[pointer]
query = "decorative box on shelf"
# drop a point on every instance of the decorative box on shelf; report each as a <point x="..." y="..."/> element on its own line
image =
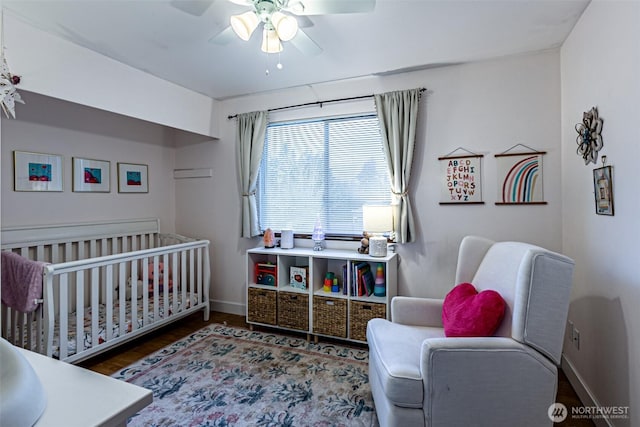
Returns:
<point x="266" y="274"/>
<point x="299" y="277"/>
<point x="293" y="310"/>
<point x="262" y="306"/>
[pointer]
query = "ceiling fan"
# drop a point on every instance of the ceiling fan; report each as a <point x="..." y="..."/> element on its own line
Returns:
<point x="281" y="20"/>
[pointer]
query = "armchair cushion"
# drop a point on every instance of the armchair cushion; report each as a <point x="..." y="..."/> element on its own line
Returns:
<point x="467" y="313"/>
<point x="395" y="350"/>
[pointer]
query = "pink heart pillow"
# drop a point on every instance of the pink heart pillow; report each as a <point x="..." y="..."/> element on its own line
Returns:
<point x="467" y="313"/>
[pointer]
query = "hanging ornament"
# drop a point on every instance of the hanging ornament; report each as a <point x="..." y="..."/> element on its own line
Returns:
<point x="589" y="139"/>
<point x="8" y="93"/>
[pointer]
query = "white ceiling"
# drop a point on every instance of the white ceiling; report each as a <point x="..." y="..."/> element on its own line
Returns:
<point x="154" y="36"/>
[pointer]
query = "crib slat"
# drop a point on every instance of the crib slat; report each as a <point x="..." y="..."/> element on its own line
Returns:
<point x="199" y="270"/>
<point x="183" y="280"/>
<point x="134" y="294"/>
<point x="95" y="306"/>
<point x="63" y="334"/>
<point x="55" y="253"/>
<point x="156" y="291"/>
<point x="109" y="301"/>
<point x="79" y="332"/>
<point x="176" y="283"/>
<point x="92" y="248"/>
<point x="192" y="280"/>
<point x="40" y="344"/>
<point x="145" y="290"/>
<point x="29" y="319"/>
<point x="40" y="253"/>
<point x="166" y="288"/>
<point x="122" y="290"/>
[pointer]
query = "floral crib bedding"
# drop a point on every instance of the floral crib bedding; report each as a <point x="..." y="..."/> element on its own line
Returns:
<point x="87" y="340"/>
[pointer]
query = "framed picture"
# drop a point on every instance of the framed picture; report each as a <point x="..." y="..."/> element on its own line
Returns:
<point x="461" y="180"/>
<point x="133" y="178"/>
<point x="603" y="190"/>
<point x="37" y="171"/>
<point x="520" y="178"/>
<point x="91" y="176"/>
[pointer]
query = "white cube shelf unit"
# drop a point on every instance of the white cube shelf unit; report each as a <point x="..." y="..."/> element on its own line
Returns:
<point x="313" y="310"/>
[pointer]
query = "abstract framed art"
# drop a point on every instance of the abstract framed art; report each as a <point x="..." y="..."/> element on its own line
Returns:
<point x="37" y="171"/>
<point x="520" y="177"/>
<point x="91" y="176"/>
<point x="133" y="178"/>
<point x="603" y="190"/>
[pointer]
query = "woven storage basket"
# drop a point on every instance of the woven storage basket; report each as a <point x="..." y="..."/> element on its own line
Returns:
<point x="360" y="312"/>
<point x="262" y="306"/>
<point x="330" y="316"/>
<point x="293" y="310"/>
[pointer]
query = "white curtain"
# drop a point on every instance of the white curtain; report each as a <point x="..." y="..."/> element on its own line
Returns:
<point x="398" y="116"/>
<point x="250" y="133"/>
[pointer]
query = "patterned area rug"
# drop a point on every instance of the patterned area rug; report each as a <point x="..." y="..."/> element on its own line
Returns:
<point x="224" y="376"/>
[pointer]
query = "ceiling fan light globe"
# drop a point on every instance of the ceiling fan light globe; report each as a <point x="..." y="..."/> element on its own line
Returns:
<point x="244" y="25"/>
<point x="286" y="26"/>
<point x="270" y="42"/>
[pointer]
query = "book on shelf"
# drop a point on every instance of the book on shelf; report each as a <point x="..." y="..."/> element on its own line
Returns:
<point x="363" y="280"/>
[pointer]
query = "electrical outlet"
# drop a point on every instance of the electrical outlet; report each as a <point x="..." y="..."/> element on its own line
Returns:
<point x="570" y="324"/>
<point x="576" y="338"/>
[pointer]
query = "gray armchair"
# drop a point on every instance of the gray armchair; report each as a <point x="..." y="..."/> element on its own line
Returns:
<point x="419" y="377"/>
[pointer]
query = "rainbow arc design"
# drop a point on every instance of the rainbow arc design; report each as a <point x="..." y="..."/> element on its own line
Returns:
<point x="521" y="181"/>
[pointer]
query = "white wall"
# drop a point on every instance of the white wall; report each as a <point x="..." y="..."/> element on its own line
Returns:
<point x="484" y="107"/>
<point x="600" y="67"/>
<point x="55" y="67"/>
<point x="48" y="125"/>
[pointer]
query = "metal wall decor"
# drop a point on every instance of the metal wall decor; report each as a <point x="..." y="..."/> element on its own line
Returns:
<point x="589" y="139"/>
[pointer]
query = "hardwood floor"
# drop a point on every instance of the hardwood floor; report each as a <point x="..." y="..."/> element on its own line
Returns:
<point x="112" y="361"/>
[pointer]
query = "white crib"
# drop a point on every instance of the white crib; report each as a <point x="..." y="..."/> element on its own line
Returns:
<point x="103" y="285"/>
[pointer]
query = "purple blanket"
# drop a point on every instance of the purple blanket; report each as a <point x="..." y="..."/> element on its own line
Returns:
<point x="21" y="282"/>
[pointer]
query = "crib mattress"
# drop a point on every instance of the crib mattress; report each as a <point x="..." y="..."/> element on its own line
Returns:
<point x="140" y="322"/>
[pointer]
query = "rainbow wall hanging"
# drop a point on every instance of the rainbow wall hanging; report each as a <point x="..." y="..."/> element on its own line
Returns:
<point x="520" y="178"/>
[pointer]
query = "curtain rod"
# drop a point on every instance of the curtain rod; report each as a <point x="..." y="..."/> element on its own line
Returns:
<point x="306" y="104"/>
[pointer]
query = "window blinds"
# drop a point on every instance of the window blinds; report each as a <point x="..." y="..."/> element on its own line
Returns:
<point x="325" y="168"/>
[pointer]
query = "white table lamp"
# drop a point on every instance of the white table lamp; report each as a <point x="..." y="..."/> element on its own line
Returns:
<point x="377" y="220"/>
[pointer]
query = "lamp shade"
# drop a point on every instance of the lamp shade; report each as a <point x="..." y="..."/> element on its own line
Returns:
<point x="270" y="41"/>
<point x="377" y="219"/>
<point x="244" y="25"/>
<point x="286" y="26"/>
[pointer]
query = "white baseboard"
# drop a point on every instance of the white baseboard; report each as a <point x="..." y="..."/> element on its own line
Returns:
<point x="584" y="393"/>
<point x="227" y="307"/>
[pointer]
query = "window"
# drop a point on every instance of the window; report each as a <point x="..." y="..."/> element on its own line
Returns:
<point x="325" y="168"/>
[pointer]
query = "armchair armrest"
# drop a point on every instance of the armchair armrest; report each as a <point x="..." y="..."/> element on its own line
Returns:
<point x="417" y="311"/>
<point x="492" y="379"/>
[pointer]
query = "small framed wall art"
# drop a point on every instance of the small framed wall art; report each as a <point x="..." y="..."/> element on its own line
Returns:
<point x="603" y="190"/>
<point x="133" y="178"/>
<point x="91" y="176"/>
<point x="37" y="171"/>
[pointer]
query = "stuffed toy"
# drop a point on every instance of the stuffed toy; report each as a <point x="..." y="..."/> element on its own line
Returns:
<point x="160" y="278"/>
<point x="364" y="244"/>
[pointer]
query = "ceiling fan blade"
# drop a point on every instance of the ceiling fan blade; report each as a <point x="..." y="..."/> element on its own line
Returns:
<point x="304" y="44"/>
<point x="327" y="7"/>
<point x="304" y="22"/>
<point x="243" y="2"/>
<point x="192" y="7"/>
<point x="224" y="37"/>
